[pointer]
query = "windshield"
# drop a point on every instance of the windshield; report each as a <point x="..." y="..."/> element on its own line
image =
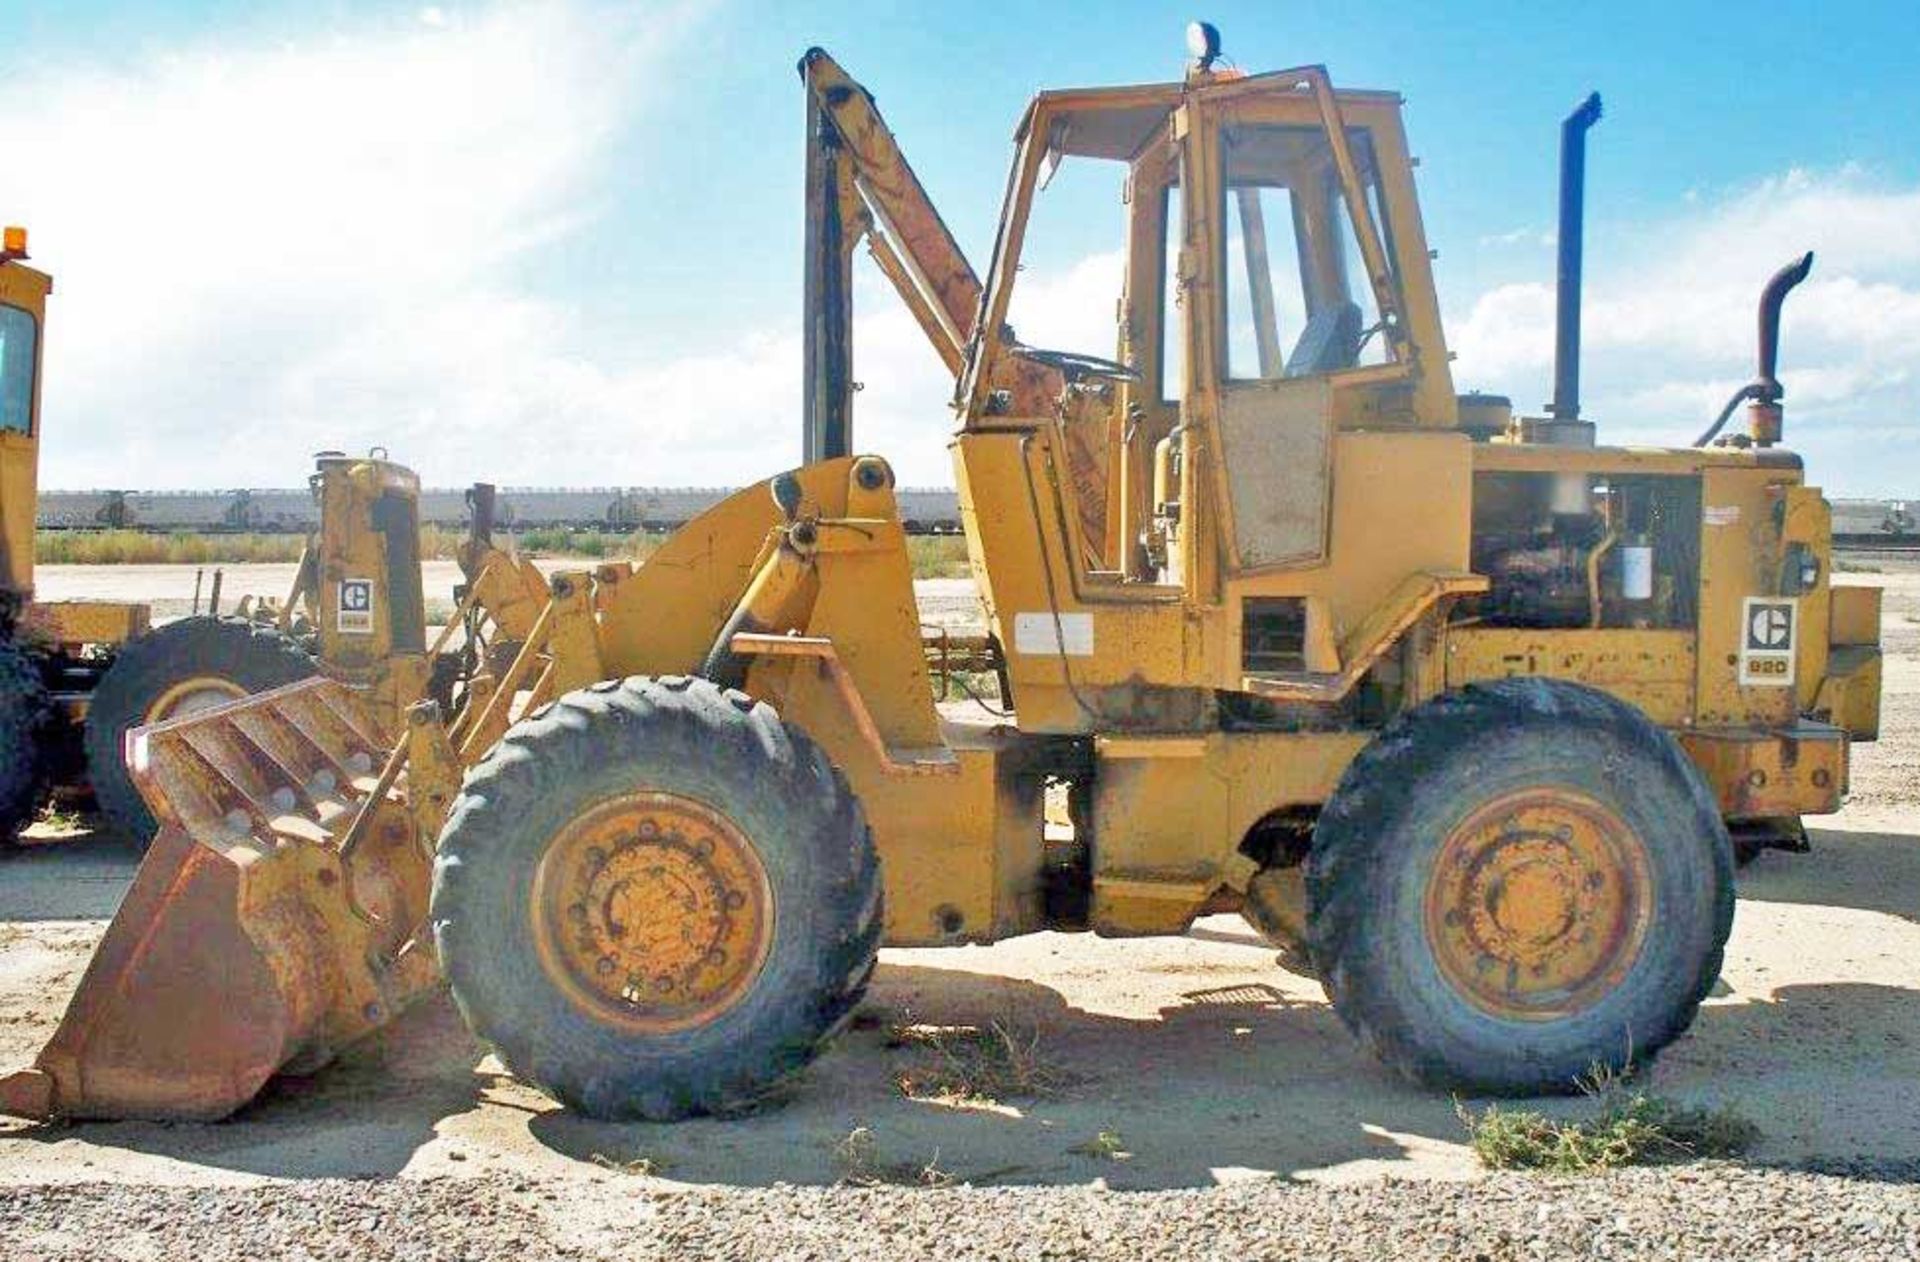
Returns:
<point x="1073" y="259"/>
<point x="1298" y="302"/>
<point x="18" y="335"/>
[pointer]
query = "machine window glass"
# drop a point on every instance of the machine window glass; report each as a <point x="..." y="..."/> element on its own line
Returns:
<point x="18" y="336"/>
<point x="1073" y="258"/>
<point x="1173" y="332"/>
<point x="1297" y="299"/>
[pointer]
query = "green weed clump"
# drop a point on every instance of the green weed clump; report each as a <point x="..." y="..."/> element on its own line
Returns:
<point x="938" y="556"/>
<point x="1630" y="1127"/>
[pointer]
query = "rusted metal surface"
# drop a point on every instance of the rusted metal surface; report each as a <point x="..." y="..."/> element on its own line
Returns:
<point x="1801" y="770"/>
<point x="236" y="953"/>
<point x="652" y="912"/>
<point x="1538" y="904"/>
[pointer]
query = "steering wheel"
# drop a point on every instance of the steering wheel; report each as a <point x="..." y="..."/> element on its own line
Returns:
<point x="1074" y="366"/>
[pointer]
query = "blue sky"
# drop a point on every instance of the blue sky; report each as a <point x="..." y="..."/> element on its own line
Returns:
<point x="559" y="242"/>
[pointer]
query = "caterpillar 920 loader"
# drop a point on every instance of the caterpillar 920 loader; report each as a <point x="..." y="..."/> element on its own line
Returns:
<point x="356" y="613"/>
<point x="76" y="676"/>
<point x="1464" y="704"/>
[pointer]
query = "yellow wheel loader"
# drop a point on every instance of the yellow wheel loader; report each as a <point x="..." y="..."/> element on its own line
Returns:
<point x="1467" y="707"/>
<point x="76" y="676"/>
<point x="356" y="613"/>
<point x="52" y="653"/>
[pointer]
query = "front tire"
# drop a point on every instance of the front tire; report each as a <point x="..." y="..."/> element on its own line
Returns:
<point x="168" y="673"/>
<point x="1517" y="884"/>
<point x="655" y="899"/>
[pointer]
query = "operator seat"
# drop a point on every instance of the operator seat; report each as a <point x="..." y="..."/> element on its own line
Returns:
<point x="1329" y="343"/>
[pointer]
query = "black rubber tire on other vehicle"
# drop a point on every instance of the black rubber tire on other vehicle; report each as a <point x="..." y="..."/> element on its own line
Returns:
<point x="1375" y="851"/>
<point x="689" y="739"/>
<point x="26" y="712"/>
<point x="249" y="657"/>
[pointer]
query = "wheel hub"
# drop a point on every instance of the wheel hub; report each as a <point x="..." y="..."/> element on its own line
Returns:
<point x="652" y="911"/>
<point x="1538" y="904"/>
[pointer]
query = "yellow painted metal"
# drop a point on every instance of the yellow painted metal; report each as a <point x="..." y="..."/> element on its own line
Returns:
<point x="73" y="623"/>
<point x="934" y="761"/>
<point x="1537" y="904"/>
<point x="651" y="912"/>
<point x="1739" y="557"/>
<point x="1169" y="813"/>
<point x="1801" y="770"/>
<point x="1854" y="619"/>
<point x="1806" y="530"/>
<point x="1417" y="597"/>
<point x="1652" y="670"/>
<point x="1849" y="694"/>
<point x="509" y="587"/>
<point x="961" y="851"/>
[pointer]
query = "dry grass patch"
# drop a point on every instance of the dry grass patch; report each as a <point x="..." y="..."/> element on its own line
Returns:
<point x="976" y="1064"/>
<point x="859" y="1162"/>
<point x="938" y="556"/>
<point x="139" y="547"/>
<point x="639" y="1167"/>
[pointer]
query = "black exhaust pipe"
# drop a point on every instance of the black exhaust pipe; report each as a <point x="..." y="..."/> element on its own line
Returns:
<point x="1766" y="380"/>
<point x="1573" y="196"/>
<point x="1764" y="392"/>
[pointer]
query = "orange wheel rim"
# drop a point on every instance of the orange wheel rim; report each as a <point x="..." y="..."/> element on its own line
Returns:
<point x="191" y="696"/>
<point x="652" y="912"/>
<point x="1538" y="904"/>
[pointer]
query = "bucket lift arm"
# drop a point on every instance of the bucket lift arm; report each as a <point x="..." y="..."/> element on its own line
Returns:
<point x="859" y="186"/>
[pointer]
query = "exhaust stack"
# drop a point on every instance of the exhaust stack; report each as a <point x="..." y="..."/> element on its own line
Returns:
<point x="1765" y="416"/>
<point x="1573" y="195"/>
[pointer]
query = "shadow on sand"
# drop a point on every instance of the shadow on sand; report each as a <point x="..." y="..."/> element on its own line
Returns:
<point x="1225" y="1082"/>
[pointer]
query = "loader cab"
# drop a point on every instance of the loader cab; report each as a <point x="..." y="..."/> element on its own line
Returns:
<point x="23" y="304"/>
<point x="1270" y="288"/>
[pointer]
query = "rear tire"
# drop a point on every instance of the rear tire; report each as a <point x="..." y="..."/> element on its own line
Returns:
<point x="26" y="715"/>
<point x="1516" y="884"/>
<point x="655" y="899"/>
<point x="167" y="673"/>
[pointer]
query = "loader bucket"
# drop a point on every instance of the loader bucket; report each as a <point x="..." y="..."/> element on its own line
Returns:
<point x="265" y="930"/>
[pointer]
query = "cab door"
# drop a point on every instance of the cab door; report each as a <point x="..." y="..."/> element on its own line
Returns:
<point x="1297" y="301"/>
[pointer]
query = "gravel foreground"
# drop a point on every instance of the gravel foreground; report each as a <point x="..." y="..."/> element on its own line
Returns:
<point x="1693" y="1212"/>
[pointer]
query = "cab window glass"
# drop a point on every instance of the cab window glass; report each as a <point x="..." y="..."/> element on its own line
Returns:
<point x="1173" y="330"/>
<point x="1073" y="259"/>
<point x="1297" y="298"/>
<point x="18" y="336"/>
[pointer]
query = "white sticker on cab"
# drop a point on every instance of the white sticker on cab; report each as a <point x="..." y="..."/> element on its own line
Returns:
<point x="1034" y="634"/>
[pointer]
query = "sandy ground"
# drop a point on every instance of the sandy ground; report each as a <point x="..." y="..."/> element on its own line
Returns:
<point x="1209" y="1062"/>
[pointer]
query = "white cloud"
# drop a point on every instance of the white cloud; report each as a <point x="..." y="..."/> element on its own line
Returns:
<point x="260" y="250"/>
<point x="1669" y="330"/>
